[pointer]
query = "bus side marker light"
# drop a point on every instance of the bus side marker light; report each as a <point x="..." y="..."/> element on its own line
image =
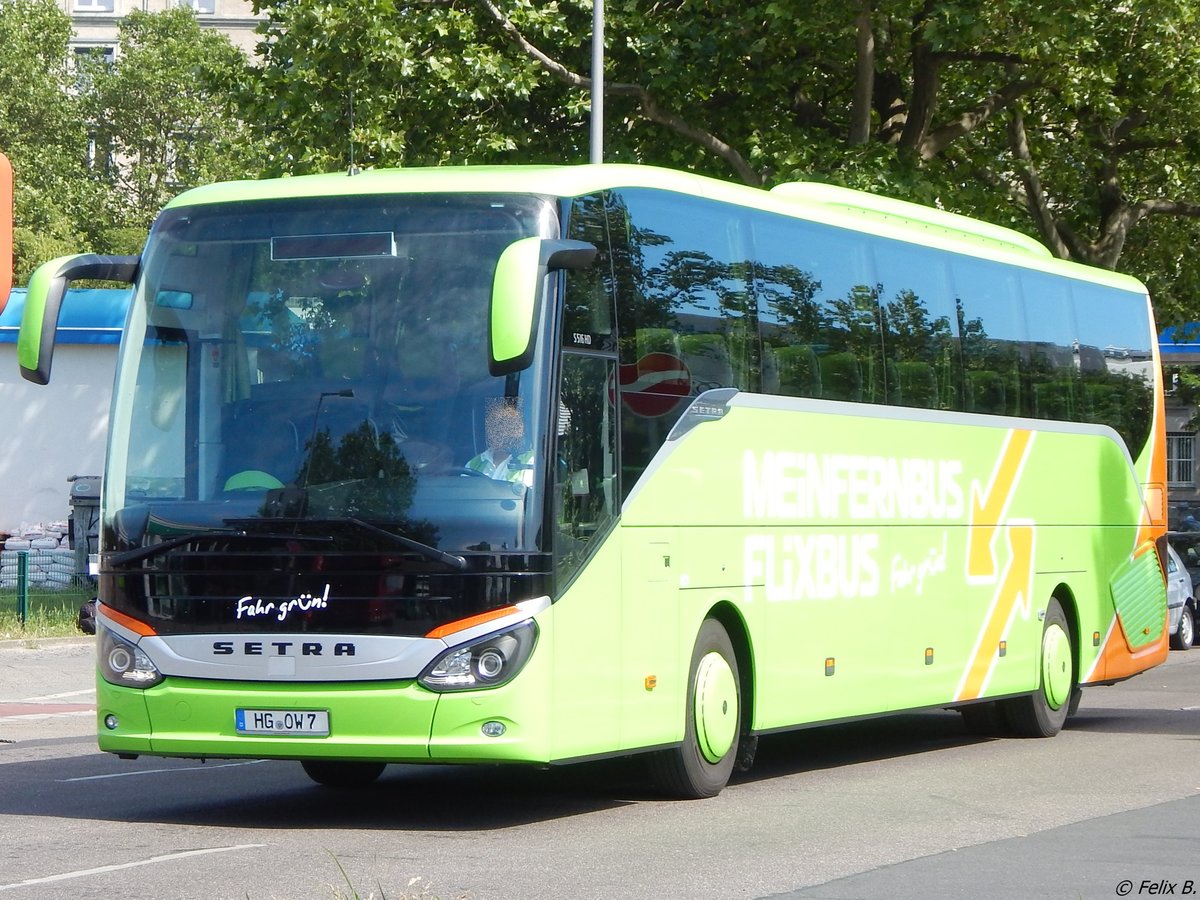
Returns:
<point x="929" y="656"/>
<point x="651" y="682"/>
<point x="1095" y="639"/>
<point x="1004" y="648"/>
<point x="830" y="665"/>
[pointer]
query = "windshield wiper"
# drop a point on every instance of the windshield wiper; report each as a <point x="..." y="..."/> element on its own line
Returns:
<point x="141" y="553"/>
<point x="450" y="559"/>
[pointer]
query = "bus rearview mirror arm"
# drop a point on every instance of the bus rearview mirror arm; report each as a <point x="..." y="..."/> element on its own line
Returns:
<point x="517" y="292"/>
<point x="43" y="302"/>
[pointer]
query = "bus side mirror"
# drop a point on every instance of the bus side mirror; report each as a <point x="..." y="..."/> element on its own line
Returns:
<point x="43" y="301"/>
<point x="517" y="290"/>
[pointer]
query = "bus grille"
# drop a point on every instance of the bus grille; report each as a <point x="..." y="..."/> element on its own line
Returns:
<point x="1141" y="600"/>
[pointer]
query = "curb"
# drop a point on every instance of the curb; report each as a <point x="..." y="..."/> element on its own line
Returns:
<point x="45" y="643"/>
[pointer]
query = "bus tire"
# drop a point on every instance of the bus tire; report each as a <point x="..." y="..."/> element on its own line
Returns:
<point x="342" y="774"/>
<point x="700" y="767"/>
<point x="985" y="719"/>
<point x="1043" y="712"/>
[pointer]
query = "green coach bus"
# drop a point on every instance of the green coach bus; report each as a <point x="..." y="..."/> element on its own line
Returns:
<point x="544" y="464"/>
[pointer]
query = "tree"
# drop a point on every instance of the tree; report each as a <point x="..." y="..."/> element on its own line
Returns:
<point x="1072" y="121"/>
<point x="42" y="133"/>
<point x="160" y="117"/>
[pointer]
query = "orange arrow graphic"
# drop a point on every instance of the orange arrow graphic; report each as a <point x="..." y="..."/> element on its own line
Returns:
<point x="1015" y="591"/>
<point x="987" y="509"/>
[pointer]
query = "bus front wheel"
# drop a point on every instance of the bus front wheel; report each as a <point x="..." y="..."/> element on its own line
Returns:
<point x="700" y="767"/>
<point x="1043" y="713"/>
<point x="339" y="774"/>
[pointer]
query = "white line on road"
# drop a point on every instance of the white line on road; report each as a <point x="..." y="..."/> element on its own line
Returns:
<point x="100" y="870"/>
<point x="249" y="762"/>
<point x="45" y="697"/>
<point x="30" y="717"/>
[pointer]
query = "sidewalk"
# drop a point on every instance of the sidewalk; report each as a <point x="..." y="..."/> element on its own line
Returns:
<point x="43" y="643"/>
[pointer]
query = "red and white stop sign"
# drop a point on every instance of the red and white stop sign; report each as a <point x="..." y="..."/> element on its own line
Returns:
<point x="654" y="384"/>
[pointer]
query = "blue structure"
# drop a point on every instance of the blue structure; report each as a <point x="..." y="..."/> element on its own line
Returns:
<point x="1180" y="345"/>
<point x="89" y="316"/>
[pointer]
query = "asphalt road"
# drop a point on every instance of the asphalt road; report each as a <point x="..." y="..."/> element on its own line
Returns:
<point x="906" y="807"/>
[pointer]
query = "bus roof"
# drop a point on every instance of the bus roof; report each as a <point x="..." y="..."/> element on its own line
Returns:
<point x="856" y="210"/>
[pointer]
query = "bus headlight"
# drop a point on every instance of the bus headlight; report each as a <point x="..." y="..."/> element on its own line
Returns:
<point x="485" y="663"/>
<point x="125" y="664"/>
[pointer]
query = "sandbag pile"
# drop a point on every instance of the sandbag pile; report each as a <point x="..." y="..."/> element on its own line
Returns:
<point x="51" y="559"/>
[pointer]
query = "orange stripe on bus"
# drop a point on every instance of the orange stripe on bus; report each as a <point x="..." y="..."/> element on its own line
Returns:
<point x="135" y="625"/>
<point x="1014" y="591"/>
<point x="471" y="621"/>
<point x="988" y="504"/>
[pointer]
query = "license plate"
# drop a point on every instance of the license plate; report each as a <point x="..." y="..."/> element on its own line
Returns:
<point x="286" y="722"/>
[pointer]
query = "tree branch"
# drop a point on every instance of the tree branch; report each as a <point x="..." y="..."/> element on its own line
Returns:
<point x="940" y="138"/>
<point x="923" y="96"/>
<point x="864" y="77"/>
<point x="650" y="106"/>
<point x="1058" y="240"/>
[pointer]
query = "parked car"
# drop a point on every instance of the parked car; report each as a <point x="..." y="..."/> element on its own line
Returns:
<point x="1181" y="602"/>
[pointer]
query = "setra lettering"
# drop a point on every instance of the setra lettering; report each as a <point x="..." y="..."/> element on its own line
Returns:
<point x="284" y="648"/>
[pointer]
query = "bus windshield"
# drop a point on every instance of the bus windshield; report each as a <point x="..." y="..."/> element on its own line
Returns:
<point x="313" y="362"/>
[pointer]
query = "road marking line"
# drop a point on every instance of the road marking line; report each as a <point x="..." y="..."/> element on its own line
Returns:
<point x="29" y="717"/>
<point x="100" y="870"/>
<point x="45" y="697"/>
<point x="249" y="762"/>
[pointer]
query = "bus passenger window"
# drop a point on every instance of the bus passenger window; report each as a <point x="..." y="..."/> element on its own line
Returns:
<point x="585" y="488"/>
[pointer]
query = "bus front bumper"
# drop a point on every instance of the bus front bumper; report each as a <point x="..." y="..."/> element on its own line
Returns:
<point x="396" y="721"/>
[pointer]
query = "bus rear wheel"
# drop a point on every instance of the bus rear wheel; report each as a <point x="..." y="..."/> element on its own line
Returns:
<point x="341" y="774"/>
<point x="700" y="767"/>
<point x="1043" y="713"/>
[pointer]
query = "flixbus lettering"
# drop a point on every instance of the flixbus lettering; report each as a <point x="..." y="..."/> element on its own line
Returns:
<point x="812" y="566"/>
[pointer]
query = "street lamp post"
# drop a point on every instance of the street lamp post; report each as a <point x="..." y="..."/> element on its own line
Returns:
<point x="597" y="134"/>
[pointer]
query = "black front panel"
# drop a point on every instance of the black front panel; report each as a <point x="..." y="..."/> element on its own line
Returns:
<point x="281" y="588"/>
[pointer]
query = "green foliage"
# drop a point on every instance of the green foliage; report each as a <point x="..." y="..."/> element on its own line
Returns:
<point x="160" y="115"/>
<point x="766" y="92"/>
<point x="42" y="132"/>
<point x="1072" y="121"/>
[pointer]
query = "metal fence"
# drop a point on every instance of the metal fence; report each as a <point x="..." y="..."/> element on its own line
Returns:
<point x="44" y="580"/>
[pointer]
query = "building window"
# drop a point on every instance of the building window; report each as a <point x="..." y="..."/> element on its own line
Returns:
<point x="202" y="7"/>
<point x="93" y="6"/>
<point x="105" y="53"/>
<point x="1181" y="458"/>
<point x="84" y="57"/>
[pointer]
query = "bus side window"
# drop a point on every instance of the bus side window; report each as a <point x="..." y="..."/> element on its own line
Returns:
<point x="1116" y="361"/>
<point x="991" y="326"/>
<point x="585" y="492"/>
<point x="587" y="321"/>
<point x="921" y="339"/>
<point x="816" y="301"/>
<point x="686" y="315"/>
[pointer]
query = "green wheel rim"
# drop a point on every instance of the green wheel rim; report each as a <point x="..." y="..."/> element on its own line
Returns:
<point x="1056" y="666"/>
<point x="716" y="706"/>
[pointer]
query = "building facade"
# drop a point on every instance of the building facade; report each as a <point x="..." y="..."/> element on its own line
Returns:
<point x="95" y="21"/>
<point x="1180" y="350"/>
